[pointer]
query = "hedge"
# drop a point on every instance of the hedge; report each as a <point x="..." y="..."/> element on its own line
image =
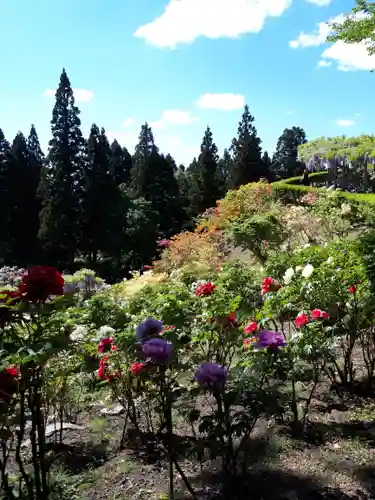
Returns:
<point x="293" y="191"/>
<point x="322" y="175"/>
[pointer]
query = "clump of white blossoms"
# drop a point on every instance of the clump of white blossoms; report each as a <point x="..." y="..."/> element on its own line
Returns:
<point x="80" y="332"/>
<point x="307" y="271"/>
<point x="106" y="331"/>
<point x="288" y="276"/>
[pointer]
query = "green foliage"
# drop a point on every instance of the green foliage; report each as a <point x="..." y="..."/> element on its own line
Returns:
<point x="258" y="233"/>
<point x="206" y="178"/>
<point x="329" y="147"/>
<point x="247" y="153"/>
<point x="284" y="161"/>
<point x="356" y="27"/>
<point x="61" y="181"/>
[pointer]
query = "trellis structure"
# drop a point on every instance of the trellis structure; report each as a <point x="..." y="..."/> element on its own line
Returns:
<point x="348" y="160"/>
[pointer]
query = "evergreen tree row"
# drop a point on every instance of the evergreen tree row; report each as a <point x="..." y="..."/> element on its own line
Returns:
<point x="88" y="202"/>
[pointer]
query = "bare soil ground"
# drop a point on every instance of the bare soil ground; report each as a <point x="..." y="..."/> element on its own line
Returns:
<point x="335" y="459"/>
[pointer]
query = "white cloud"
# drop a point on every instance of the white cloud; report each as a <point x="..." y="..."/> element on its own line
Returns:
<point x="348" y="57"/>
<point x="80" y="95"/>
<point x="128" y="122"/>
<point x="317" y="37"/>
<point x="319" y="3"/>
<point x="344" y="123"/>
<point x="222" y="102"/>
<point x="324" y="64"/>
<point x="174" y="117"/>
<point x="185" y="20"/>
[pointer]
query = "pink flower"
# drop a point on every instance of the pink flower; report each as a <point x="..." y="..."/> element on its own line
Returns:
<point x="352" y="289"/>
<point x="318" y="314"/>
<point x="105" y="345"/>
<point x="205" y="290"/>
<point x="114" y="348"/>
<point x="301" y="320"/>
<point x="251" y="327"/>
<point x="147" y="268"/>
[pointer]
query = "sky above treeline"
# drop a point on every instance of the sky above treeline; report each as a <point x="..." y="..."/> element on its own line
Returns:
<point x="181" y="65"/>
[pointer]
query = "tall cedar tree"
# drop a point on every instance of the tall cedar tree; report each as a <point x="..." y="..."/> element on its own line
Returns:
<point x="183" y="189"/>
<point x="205" y="175"/>
<point x="225" y="167"/>
<point x="24" y="217"/>
<point x="247" y="153"/>
<point x="121" y="164"/>
<point x="101" y="200"/>
<point x="266" y="161"/>
<point x="153" y="179"/>
<point x="36" y="162"/>
<point x="285" y="160"/>
<point x="5" y="198"/>
<point x="61" y="184"/>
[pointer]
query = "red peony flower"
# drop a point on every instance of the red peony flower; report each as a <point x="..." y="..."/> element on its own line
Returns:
<point x="13" y="372"/>
<point x="318" y="314"/>
<point x="251" y="327"/>
<point x="39" y="282"/>
<point x="137" y="368"/>
<point x="114" y="348"/>
<point x="231" y="317"/>
<point x="8" y="383"/>
<point x="105" y="345"/>
<point x="205" y="290"/>
<point x="301" y="320"/>
<point x="269" y="285"/>
<point x="101" y="372"/>
<point x="352" y="289"/>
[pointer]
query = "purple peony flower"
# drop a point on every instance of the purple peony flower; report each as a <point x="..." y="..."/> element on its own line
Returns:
<point x="211" y="375"/>
<point x="269" y="339"/>
<point x="148" y="329"/>
<point x="157" y="350"/>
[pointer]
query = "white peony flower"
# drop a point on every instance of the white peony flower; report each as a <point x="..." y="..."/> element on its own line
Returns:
<point x="79" y="333"/>
<point x="307" y="271"/>
<point x="106" y="331"/>
<point x="288" y="276"/>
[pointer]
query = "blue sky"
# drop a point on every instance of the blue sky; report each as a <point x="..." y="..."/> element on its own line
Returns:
<point x="183" y="64"/>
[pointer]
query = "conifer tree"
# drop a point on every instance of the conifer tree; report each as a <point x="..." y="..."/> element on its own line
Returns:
<point x="121" y="164"/>
<point x="225" y="168"/>
<point x="266" y="161"/>
<point x="246" y="150"/>
<point x="153" y="179"/>
<point x="285" y="160"/>
<point x="24" y="216"/>
<point x="61" y="184"/>
<point x="206" y="182"/>
<point x="5" y="197"/>
<point x="101" y="204"/>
